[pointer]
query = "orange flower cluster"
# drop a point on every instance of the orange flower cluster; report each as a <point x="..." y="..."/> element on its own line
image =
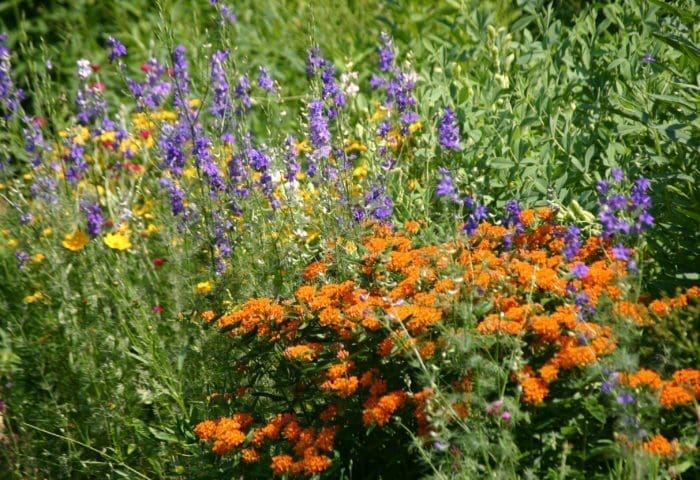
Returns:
<point x="351" y="335"/>
<point x="308" y="445"/>
<point x="659" y="445"/>
<point x="683" y="388"/>
<point x="661" y="307"/>
<point x="227" y="432"/>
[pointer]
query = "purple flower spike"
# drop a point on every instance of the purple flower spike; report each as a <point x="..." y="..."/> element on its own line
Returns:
<point x="448" y="131"/>
<point x="117" y="48"/>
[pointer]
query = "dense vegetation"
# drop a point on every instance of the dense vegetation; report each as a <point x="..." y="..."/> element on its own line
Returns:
<point x="358" y="240"/>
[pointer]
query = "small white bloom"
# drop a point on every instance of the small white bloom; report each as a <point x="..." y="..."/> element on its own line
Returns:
<point x="84" y="70"/>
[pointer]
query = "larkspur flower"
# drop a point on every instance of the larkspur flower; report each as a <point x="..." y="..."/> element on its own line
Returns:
<point x="10" y="96"/>
<point x="448" y="131"/>
<point x="264" y="80"/>
<point x="95" y="220"/>
<point x="242" y="93"/>
<point x="386" y="52"/>
<point x="446" y="187"/>
<point x="572" y="243"/>
<point x="181" y="78"/>
<point x="205" y="162"/>
<point x="620" y="252"/>
<point x="227" y="14"/>
<point x="22" y="258"/>
<point x="579" y="270"/>
<point x="117" y="48"/>
<point x="625" y="398"/>
<point x="319" y="133"/>
<point x="314" y="61"/>
<point x="221" y="103"/>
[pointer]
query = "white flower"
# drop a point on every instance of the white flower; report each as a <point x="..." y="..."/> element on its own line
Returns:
<point x="348" y="85"/>
<point x="84" y="69"/>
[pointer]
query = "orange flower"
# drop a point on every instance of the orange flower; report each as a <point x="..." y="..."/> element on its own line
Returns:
<point x="205" y="430"/>
<point x="659" y="445"/>
<point x="549" y="372"/>
<point x="644" y="377"/>
<point x="381" y="412"/>
<point x="281" y="464"/>
<point x="343" y="387"/>
<point x="689" y="378"/>
<point x="672" y="395"/>
<point x="570" y="357"/>
<point x="534" y="390"/>
<point x="315" y="464"/>
<point x="250" y="455"/>
<point x="314" y="270"/>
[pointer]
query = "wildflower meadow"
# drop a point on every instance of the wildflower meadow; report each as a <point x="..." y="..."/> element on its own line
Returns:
<point x="350" y="240"/>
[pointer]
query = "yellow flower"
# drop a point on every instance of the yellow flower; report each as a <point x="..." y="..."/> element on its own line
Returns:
<point x="303" y="146"/>
<point x="12" y="243"/>
<point x="149" y="230"/>
<point x="117" y="241"/>
<point x="189" y="172"/>
<point x="195" y="102"/>
<point x="204" y="287"/>
<point x="355" y="146"/>
<point x="38" y="257"/>
<point x="35" y="297"/>
<point x="360" y="171"/>
<point x="47" y="232"/>
<point x="415" y="126"/>
<point x="75" y="241"/>
<point x="141" y="210"/>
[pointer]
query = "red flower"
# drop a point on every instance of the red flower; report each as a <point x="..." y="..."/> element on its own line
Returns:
<point x="157" y="309"/>
<point x="158" y="261"/>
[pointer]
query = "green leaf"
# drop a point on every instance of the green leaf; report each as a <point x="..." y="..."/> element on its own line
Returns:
<point x="681" y="44"/>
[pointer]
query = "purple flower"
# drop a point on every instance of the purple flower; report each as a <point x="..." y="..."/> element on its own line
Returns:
<point x="446" y="187"/>
<point x="506" y="416"/>
<point x="620" y="252"/>
<point x="177" y="195"/>
<point x="264" y="80"/>
<point x="95" y="220"/>
<point x="494" y="408"/>
<point x="625" y="398"/>
<point x="617" y="174"/>
<point x="572" y="244"/>
<point x="22" y="258"/>
<point x="319" y="133"/>
<point x="181" y="77"/>
<point x="117" y="48"/>
<point x="10" y="96"/>
<point x="579" y="270"/>
<point x="227" y="14"/>
<point x="25" y="218"/>
<point x="205" y="162"/>
<point x="221" y="103"/>
<point x="448" y="131"/>
<point x="648" y="58"/>
<point x="242" y="93"/>
<point x="314" y="61"/>
<point x="386" y="52"/>
<point x="512" y="218"/>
